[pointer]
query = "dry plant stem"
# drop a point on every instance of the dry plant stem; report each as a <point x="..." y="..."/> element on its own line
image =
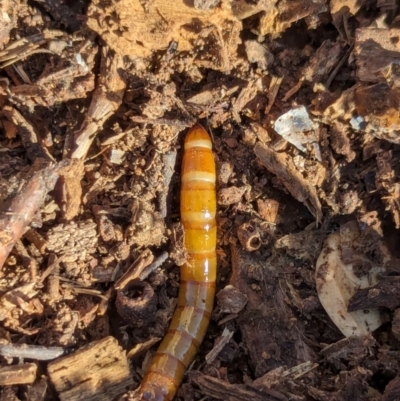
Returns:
<point x="106" y="100"/>
<point x="169" y="160"/>
<point x="36" y="352"/>
<point x="134" y="271"/>
<point x="18" y="212"/>
<point x="151" y="268"/>
<point x="30" y="140"/>
<point x="222" y="390"/>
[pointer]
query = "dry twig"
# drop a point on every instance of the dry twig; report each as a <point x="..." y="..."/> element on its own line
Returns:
<point x="18" y="212"/>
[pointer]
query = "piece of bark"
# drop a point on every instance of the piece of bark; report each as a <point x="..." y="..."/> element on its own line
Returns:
<point x="384" y="294"/>
<point x="223" y="390"/>
<point x="283" y="167"/>
<point x="71" y="189"/>
<point x="377" y="52"/>
<point x="98" y="371"/>
<point x="279" y="16"/>
<point x="269" y="329"/>
<point x="18" y="374"/>
<point x="392" y="390"/>
<point x="37" y="390"/>
<point x="8" y="19"/>
<point x="160" y="22"/>
<point x="29" y="137"/>
<point x="106" y="99"/>
<point x="61" y="12"/>
<point x="341" y="11"/>
<point x="17" y="213"/>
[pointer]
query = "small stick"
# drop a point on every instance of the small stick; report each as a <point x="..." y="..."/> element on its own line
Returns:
<point x="18" y="212"/>
<point x="106" y="99"/>
<point x="36" y="239"/>
<point x="36" y="352"/>
<point x="140" y="272"/>
<point x="169" y="160"/>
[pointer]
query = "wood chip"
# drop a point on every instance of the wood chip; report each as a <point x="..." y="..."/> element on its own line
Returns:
<point x="282" y="165"/>
<point x="98" y="371"/>
<point x="18" y="374"/>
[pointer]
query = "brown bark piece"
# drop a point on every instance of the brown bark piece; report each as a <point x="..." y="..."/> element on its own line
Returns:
<point x="268" y="327"/>
<point x="341" y="11"/>
<point x="222" y="390"/>
<point x="8" y="19"/>
<point x="392" y="390"/>
<point x="18" y="212"/>
<point x="97" y="372"/>
<point x="31" y="141"/>
<point x="159" y="23"/>
<point x="71" y="178"/>
<point x="381" y="295"/>
<point x="282" y="166"/>
<point x="377" y="53"/>
<point x="18" y="374"/>
<point x="106" y="99"/>
<point x="278" y="18"/>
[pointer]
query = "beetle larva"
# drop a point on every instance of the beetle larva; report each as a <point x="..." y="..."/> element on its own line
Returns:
<point x="197" y="288"/>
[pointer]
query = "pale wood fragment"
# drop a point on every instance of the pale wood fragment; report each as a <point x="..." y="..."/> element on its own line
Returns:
<point x="18" y="374"/>
<point x="96" y="372"/>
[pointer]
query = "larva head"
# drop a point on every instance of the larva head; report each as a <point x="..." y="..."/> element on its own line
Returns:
<point x="198" y="137"/>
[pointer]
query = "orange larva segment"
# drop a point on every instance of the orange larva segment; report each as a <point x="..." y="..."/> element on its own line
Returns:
<point x="200" y="243"/>
<point x="196" y="293"/>
<point x="159" y="387"/>
<point x="200" y="270"/>
<point x="179" y="344"/>
<point x="200" y="201"/>
<point x="198" y="160"/>
<point x="192" y="320"/>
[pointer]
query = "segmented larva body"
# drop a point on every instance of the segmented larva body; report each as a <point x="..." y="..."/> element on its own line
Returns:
<point x="197" y="287"/>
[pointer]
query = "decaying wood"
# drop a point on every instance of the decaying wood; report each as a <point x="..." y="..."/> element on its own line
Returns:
<point x="98" y="372"/>
<point x="18" y="374"/>
<point x="222" y="390"/>
<point x="266" y="314"/>
<point x="18" y="212"/>
<point x="8" y="19"/>
<point x="377" y="53"/>
<point x="169" y="161"/>
<point x="283" y="167"/>
<point x="341" y="11"/>
<point x="60" y="11"/>
<point x="24" y="47"/>
<point x="392" y="390"/>
<point x="105" y="101"/>
<point x="160" y="22"/>
<point x="219" y="345"/>
<point x="384" y="294"/>
<point x="32" y="142"/>
<point x="279" y="16"/>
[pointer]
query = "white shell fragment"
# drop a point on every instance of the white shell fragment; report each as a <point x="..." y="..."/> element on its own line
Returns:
<point x="297" y="128"/>
<point x="337" y="283"/>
